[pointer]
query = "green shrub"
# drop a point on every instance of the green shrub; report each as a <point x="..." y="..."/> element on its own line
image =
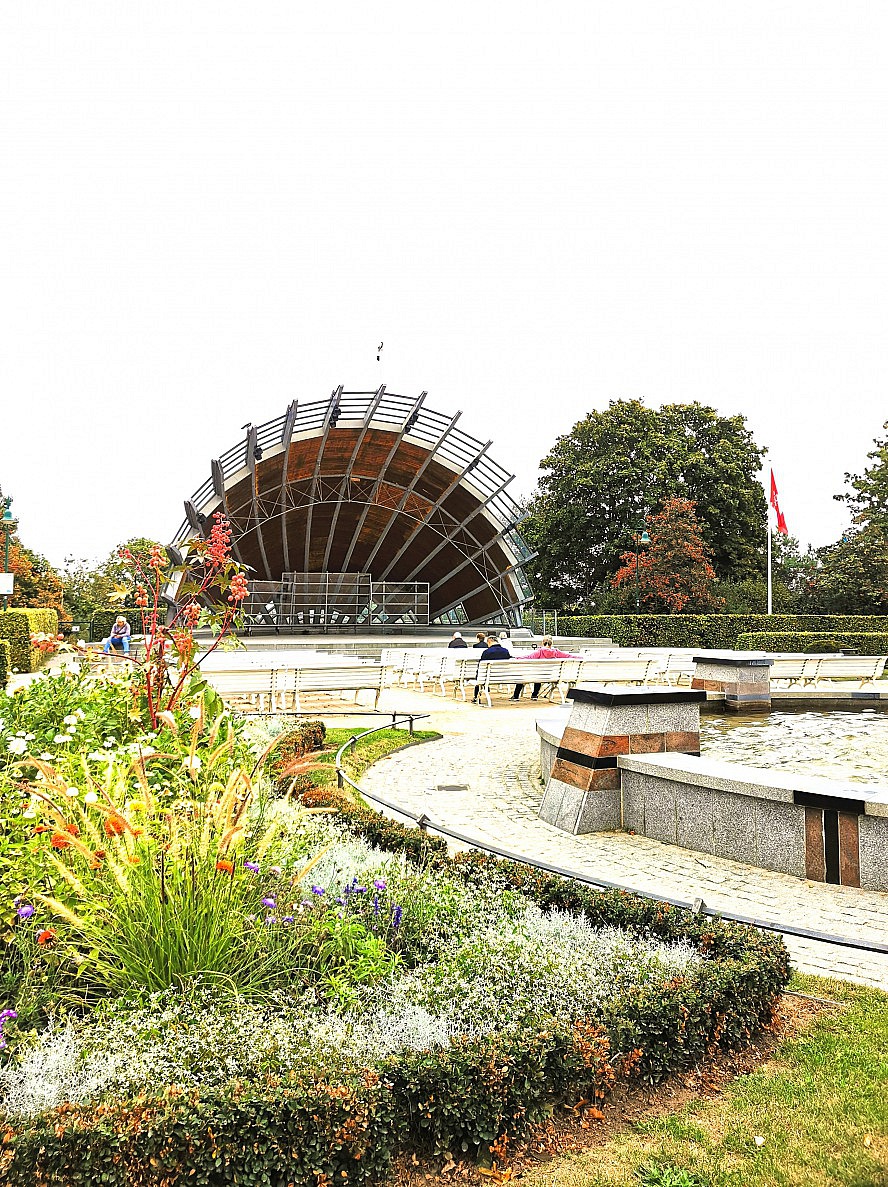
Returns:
<point x="866" y="642"/>
<point x="4" y="663"/>
<point x="460" y="1098"/>
<point x="16" y="627"/>
<point x="707" y="630"/>
<point x="102" y="620"/>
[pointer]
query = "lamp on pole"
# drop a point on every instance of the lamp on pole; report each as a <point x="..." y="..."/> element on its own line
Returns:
<point x="640" y="538"/>
<point x="9" y="525"/>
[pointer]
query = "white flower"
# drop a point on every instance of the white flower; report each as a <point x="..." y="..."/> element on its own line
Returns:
<point x="16" y="745"/>
<point x="71" y="729"/>
<point x="60" y="738"/>
<point x="69" y="720"/>
<point x="30" y="814"/>
<point x="97" y="755"/>
<point x="194" y="712"/>
<point x="91" y="798"/>
<point x="71" y="792"/>
<point x="46" y="756"/>
<point x="108" y="742"/>
<point x="192" y="763"/>
<point x="30" y="737"/>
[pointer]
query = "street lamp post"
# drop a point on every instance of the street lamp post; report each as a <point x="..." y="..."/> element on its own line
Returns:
<point x="9" y="525"/>
<point x="643" y="538"/>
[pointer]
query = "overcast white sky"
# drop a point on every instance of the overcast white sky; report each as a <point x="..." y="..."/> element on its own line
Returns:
<point x="207" y="210"/>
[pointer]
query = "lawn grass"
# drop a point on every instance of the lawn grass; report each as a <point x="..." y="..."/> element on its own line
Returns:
<point x="820" y="1104"/>
<point x="365" y="753"/>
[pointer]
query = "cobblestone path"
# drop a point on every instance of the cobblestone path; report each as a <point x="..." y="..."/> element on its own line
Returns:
<point x="483" y="778"/>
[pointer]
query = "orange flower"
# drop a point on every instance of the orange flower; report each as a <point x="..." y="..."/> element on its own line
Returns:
<point x="95" y="862"/>
<point x="60" y="841"/>
<point x="100" y="853"/>
<point x="114" y="826"/>
<point x="137" y="832"/>
<point x="227" y="867"/>
<point x="134" y="861"/>
<point x="72" y="830"/>
<point x="46" y="936"/>
<point x="41" y="828"/>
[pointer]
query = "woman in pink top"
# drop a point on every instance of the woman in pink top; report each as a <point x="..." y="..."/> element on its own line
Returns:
<point x="546" y="650"/>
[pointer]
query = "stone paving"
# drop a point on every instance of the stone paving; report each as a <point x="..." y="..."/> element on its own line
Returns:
<point x="483" y="778"/>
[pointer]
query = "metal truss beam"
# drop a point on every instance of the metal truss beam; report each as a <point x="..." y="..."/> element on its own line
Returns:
<point x="331" y="407"/>
<point x="252" y="442"/>
<point x="409" y="490"/>
<point x="471" y="558"/>
<point x="501" y="576"/>
<point x="439" y="502"/>
<point x="286" y="438"/>
<point x="409" y="421"/>
<point x="468" y="519"/>
<point x="344" y="485"/>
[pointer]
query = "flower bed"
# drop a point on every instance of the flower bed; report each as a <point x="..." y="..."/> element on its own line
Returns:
<point x="343" y="991"/>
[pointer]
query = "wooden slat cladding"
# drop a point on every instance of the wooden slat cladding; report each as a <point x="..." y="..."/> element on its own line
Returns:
<point x="366" y="482"/>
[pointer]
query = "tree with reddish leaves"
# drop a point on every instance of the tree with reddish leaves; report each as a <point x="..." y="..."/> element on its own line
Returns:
<point x="675" y="573"/>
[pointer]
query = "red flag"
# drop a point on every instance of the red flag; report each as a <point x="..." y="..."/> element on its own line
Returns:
<point x="781" y="522"/>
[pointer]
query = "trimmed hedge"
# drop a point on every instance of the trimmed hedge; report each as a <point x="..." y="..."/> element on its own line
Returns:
<point x="16" y="627"/>
<point x="708" y="630"/>
<point x="4" y="663"/>
<point x="102" y="620"/>
<point x="797" y="642"/>
<point x="304" y="1130"/>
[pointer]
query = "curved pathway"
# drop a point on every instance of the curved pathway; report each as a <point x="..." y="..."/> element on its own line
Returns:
<point x="483" y="778"/>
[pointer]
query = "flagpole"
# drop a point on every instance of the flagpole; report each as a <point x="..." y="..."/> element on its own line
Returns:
<point x="769" y="561"/>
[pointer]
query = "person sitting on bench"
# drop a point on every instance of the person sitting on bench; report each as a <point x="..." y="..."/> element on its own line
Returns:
<point x="546" y="650"/>
<point x="119" y="638"/>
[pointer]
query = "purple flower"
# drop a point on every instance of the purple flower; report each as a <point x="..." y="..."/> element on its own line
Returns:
<point x="317" y="890"/>
<point x="276" y="870"/>
<point x="360" y="890"/>
<point x="380" y="883"/>
<point x="376" y="906"/>
<point x="252" y="865"/>
<point x="289" y="919"/>
<point x="269" y="902"/>
<point x="341" y="901"/>
<point x="25" y="911"/>
<point x="396" y="917"/>
<point x="269" y="919"/>
<point x="5" y="1015"/>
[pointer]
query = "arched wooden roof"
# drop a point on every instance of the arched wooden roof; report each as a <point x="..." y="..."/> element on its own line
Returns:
<point x="377" y="483"/>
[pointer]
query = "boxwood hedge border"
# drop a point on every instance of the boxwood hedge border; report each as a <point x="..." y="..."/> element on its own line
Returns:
<point x="307" y="1131"/>
<point x="706" y="630"/>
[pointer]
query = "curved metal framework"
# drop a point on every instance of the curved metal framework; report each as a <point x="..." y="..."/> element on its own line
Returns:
<point x="376" y="483"/>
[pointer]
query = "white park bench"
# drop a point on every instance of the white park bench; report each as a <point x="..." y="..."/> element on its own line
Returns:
<point x="355" y="678"/>
<point x="617" y="671"/>
<point x="509" y="672"/>
<point x="251" y="690"/>
<point x="863" y="668"/>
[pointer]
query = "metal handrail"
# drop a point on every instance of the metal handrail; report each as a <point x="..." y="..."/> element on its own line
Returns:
<point x="698" y="907"/>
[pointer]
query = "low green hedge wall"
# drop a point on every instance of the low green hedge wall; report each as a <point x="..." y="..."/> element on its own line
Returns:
<point x="866" y="642"/>
<point x="4" y="663"/>
<point x="708" y="630"/>
<point x="102" y="620"/>
<point x="16" y="627"/>
<point x="460" y="1099"/>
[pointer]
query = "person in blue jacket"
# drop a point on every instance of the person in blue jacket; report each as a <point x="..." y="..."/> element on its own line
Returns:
<point x="493" y="650"/>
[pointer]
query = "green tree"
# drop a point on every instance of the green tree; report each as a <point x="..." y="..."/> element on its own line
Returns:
<point x="36" y="581"/>
<point x="613" y="468"/>
<point x="91" y="586"/>
<point x="853" y="574"/>
<point x="673" y="572"/>
<point x="868" y="497"/>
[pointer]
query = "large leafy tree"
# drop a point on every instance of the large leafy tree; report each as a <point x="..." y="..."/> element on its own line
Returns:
<point x="853" y="574"/>
<point x="615" y="467"/>
<point x="36" y="581"/>
<point x="90" y="586"/>
<point x="673" y="573"/>
<point x="868" y="497"/>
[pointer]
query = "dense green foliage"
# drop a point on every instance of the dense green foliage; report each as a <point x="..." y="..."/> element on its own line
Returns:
<point x="16" y="627"/>
<point x="704" y="630"/>
<point x="853" y="574"/>
<point x="4" y="662"/>
<point x="615" y="467"/>
<point x="868" y="497"/>
<point x="865" y="642"/>
<point x="89" y="586"/>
